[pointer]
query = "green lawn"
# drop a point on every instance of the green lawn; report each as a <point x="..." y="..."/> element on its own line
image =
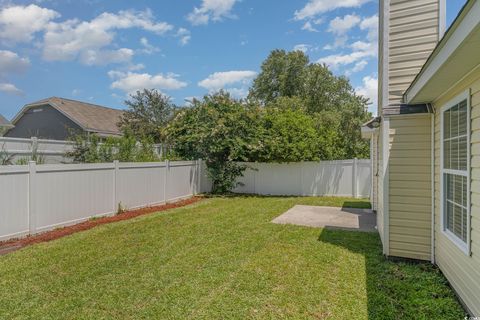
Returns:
<point x="220" y="259"/>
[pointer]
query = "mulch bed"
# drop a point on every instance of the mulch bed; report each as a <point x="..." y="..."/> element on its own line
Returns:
<point x="15" y="244"/>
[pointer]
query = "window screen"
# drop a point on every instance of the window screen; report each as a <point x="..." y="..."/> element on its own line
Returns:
<point x="455" y="170"/>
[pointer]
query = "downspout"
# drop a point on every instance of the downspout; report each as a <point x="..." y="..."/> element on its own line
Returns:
<point x="371" y="168"/>
<point x="386" y="184"/>
<point x="432" y="147"/>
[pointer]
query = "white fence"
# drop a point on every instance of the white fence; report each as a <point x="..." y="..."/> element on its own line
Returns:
<point x="51" y="151"/>
<point x="36" y="198"/>
<point x="351" y="178"/>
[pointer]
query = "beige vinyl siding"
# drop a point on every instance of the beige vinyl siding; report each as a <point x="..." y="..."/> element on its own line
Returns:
<point x="462" y="270"/>
<point x="413" y="34"/>
<point x="410" y="187"/>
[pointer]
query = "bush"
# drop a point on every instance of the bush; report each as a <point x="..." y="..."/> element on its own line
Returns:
<point x="92" y="149"/>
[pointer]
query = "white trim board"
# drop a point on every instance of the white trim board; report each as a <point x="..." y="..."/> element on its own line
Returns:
<point x="464" y="247"/>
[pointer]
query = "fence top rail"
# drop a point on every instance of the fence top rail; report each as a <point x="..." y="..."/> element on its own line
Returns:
<point x="74" y="167"/>
<point x="181" y="163"/>
<point x="14" y="169"/>
<point x="138" y="165"/>
<point x="29" y="140"/>
<point x="348" y="161"/>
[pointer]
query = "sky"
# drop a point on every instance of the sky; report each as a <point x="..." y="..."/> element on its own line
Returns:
<point x="102" y="51"/>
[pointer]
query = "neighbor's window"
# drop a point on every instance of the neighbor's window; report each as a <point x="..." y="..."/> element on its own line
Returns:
<point x="455" y="172"/>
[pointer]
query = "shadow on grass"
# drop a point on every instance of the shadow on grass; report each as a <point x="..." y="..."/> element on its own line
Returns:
<point x="398" y="289"/>
<point x="356" y="204"/>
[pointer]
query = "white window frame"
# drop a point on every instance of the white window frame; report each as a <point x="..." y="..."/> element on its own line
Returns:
<point x="464" y="247"/>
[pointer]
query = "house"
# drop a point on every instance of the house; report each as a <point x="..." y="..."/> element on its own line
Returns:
<point x="425" y="142"/>
<point x="59" y="118"/>
<point x="4" y="123"/>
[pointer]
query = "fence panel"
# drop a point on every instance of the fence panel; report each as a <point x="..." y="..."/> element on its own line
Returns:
<point x="36" y="198"/>
<point x="182" y="179"/>
<point x="66" y="194"/>
<point x="351" y="178"/>
<point x="14" y="181"/>
<point x="140" y="184"/>
<point x="49" y="151"/>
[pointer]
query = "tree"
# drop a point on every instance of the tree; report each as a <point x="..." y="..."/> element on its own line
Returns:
<point x="282" y="75"/>
<point x="220" y="130"/>
<point x="327" y="98"/>
<point x="148" y="115"/>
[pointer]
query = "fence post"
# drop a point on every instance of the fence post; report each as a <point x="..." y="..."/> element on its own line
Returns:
<point x="116" y="170"/>
<point x="355" y="178"/>
<point x="32" y="183"/>
<point x="165" y="180"/>
<point x="199" y="178"/>
<point x="301" y="178"/>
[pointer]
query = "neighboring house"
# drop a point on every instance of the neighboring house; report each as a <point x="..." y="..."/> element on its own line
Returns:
<point x="58" y="119"/>
<point x="426" y="139"/>
<point x="4" y="124"/>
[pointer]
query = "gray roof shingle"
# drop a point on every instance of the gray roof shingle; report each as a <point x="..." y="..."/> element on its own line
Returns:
<point x="90" y="117"/>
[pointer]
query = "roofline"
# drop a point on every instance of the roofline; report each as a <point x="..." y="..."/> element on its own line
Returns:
<point x="50" y="103"/>
<point x="422" y="77"/>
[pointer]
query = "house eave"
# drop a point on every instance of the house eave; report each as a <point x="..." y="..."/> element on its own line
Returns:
<point x="455" y="55"/>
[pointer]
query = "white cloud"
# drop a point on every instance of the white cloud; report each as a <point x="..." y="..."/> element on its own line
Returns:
<point x="369" y="89"/>
<point x="184" y="35"/>
<point x="302" y="47"/>
<point x="72" y="39"/>
<point x="238" y="92"/>
<point x="307" y="26"/>
<point x="214" y="10"/>
<point x="10" y="89"/>
<point x="336" y="60"/>
<point x="361" y="51"/>
<point x="147" y="47"/>
<point x="341" y="26"/>
<point x="131" y="81"/>
<point x="371" y="25"/>
<point x="10" y="62"/>
<point x="19" y="23"/>
<point x="235" y="82"/>
<point x="104" y="57"/>
<point x="316" y="7"/>
<point x="359" y="66"/>
<point x="219" y="80"/>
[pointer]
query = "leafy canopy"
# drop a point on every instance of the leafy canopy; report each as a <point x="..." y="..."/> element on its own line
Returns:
<point x="330" y="100"/>
<point x="221" y="131"/>
<point x="148" y="114"/>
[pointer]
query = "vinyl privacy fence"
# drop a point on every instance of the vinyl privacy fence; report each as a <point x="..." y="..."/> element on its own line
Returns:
<point x="349" y="178"/>
<point x="38" y="198"/>
<point x="49" y="151"/>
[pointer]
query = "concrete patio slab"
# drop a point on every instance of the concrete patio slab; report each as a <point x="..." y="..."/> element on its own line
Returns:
<point x="329" y="217"/>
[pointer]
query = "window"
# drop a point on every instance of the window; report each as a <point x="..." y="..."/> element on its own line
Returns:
<point x="455" y="171"/>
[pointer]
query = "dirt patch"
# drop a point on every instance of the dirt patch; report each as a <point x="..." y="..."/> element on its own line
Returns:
<point x="16" y="244"/>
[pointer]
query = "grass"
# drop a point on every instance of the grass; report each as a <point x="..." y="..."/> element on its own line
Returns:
<point x="220" y="259"/>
